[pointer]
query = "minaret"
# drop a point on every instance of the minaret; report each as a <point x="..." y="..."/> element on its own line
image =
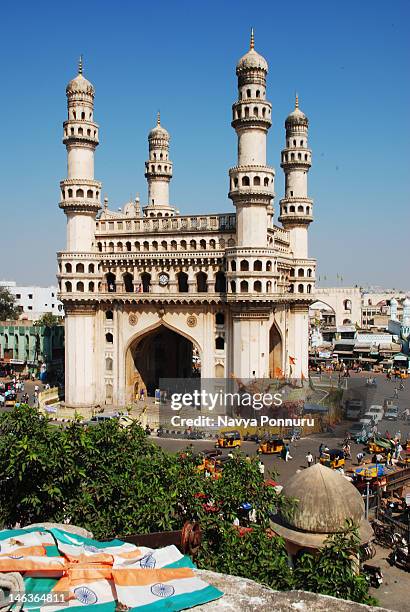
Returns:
<point x="296" y="207"/>
<point x="251" y="181"/>
<point x="80" y="193"/>
<point x="158" y="172"/>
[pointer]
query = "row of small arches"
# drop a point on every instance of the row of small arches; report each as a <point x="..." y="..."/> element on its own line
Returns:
<point x="244" y="286"/>
<point x="249" y="94"/>
<point x="79" y="268"/>
<point x="79" y="193"/>
<point x="80" y="132"/>
<point x="257" y="266"/>
<point x="80" y="287"/>
<point x="173" y="245"/>
<point x="301" y="272"/>
<point x="80" y="115"/>
<point x="300" y="288"/>
<point x="294" y="143"/>
<point x="160" y="156"/>
<point x="247" y="112"/>
<point x="246" y="181"/>
<point x="300" y="209"/>
<point x="144" y="284"/>
<point x="158" y="168"/>
<point x="291" y="157"/>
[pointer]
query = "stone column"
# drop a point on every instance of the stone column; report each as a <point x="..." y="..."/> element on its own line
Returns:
<point x="79" y="355"/>
<point x="250" y="344"/>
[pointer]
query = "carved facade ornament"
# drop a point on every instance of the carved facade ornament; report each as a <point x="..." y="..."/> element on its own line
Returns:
<point x="191" y="321"/>
<point x="132" y="319"/>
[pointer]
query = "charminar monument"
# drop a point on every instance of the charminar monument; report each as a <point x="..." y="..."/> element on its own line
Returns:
<point x="151" y="293"/>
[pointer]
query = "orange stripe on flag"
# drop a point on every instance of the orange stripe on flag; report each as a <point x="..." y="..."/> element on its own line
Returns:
<point x="142" y="577"/>
<point x="25" y="551"/>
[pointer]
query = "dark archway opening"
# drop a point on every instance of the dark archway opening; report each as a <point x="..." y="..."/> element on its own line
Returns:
<point x="161" y="353"/>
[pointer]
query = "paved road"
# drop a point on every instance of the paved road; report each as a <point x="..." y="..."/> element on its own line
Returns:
<point x="356" y="387"/>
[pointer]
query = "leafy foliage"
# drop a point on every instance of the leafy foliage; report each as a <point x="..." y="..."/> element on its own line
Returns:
<point x="8" y="308"/>
<point x="331" y="572"/>
<point x="115" y="482"/>
<point x="48" y="319"/>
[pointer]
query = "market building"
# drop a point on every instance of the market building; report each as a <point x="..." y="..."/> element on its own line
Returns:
<point x="26" y="348"/>
<point x="145" y="288"/>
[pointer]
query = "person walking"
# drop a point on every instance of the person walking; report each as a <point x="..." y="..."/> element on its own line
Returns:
<point x="396" y="393"/>
<point x="359" y="458"/>
<point x="309" y="459"/>
<point x="261" y="467"/>
<point x="287" y="453"/>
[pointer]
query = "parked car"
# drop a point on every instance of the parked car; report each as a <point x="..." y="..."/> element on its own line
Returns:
<point x="389" y="403"/>
<point x="99" y="418"/>
<point x="358" y="430"/>
<point x="368" y="420"/>
<point x="392" y="413"/>
<point x="376" y="412"/>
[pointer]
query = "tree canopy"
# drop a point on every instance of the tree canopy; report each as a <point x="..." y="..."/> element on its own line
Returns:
<point x="8" y="308"/>
<point x="48" y="319"/>
<point x="115" y="482"/>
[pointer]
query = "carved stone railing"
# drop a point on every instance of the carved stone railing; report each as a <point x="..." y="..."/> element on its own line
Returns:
<point x="147" y="225"/>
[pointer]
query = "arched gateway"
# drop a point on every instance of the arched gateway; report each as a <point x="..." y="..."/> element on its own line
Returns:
<point x="222" y="279"/>
<point x="158" y="353"/>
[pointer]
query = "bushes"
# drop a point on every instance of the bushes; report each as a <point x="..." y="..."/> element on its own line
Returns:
<point x="115" y="482"/>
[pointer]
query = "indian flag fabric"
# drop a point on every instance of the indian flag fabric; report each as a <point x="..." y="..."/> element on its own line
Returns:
<point x="62" y="570"/>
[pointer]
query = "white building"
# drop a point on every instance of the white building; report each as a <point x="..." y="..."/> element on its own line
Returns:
<point x="35" y="301"/>
<point x="145" y="289"/>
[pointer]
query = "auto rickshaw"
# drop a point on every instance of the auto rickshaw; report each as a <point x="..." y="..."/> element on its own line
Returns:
<point x="229" y="439"/>
<point x="213" y="463"/>
<point x="271" y="446"/>
<point x="334" y="459"/>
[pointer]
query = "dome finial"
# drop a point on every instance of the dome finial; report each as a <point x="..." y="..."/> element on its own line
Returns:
<point x="252" y="45"/>
<point x="296" y="100"/>
<point x="158" y="118"/>
<point x="80" y="65"/>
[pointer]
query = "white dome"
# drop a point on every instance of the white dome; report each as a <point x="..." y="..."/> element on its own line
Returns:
<point x="296" y="117"/>
<point x="158" y="131"/>
<point x="80" y="83"/>
<point x="251" y="61"/>
<point x="406" y="302"/>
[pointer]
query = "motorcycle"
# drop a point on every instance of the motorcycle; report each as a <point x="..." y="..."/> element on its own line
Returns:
<point x="400" y="554"/>
<point x="373" y="574"/>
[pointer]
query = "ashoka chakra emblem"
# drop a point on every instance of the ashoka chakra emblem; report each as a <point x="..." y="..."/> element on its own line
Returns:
<point x="162" y="590"/>
<point x="91" y="549"/>
<point x="132" y="319"/>
<point x="85" y="595"/>
<point x="148" y="561"/>
<point x="191" y="321"/>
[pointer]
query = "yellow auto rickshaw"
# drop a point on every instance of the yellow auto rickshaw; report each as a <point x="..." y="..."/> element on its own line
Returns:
<point x="271" y="446"/>
<point x="229" y="439"/>
<point x="334" y="459"/>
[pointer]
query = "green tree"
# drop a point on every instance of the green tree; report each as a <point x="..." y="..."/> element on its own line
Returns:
<point x="332" y="570"/>
<point x="8" y="308"/>
<point x="48" y="319"/>
<point x="115" y="482"/>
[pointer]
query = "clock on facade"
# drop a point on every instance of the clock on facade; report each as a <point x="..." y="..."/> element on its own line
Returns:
<point x="163" y="279"/>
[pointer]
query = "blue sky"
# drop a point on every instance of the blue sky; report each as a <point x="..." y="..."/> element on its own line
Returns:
<point x="348" y="60"/>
